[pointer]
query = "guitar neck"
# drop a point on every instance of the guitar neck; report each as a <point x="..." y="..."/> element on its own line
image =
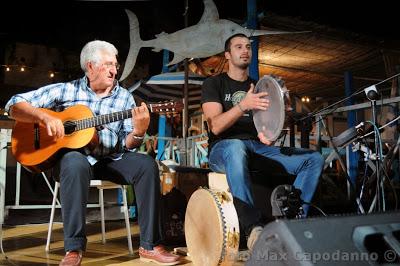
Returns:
<point x="99" y="120"/>
<point x="102" y="119"/>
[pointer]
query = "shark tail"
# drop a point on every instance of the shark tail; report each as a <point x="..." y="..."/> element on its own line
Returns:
<point x="135" y="44"/>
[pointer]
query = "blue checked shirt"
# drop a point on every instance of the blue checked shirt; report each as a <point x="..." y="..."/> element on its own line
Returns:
<point x="63" y="95"/>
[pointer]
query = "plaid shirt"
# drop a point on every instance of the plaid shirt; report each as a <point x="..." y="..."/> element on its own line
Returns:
<point x="60" y="96"/>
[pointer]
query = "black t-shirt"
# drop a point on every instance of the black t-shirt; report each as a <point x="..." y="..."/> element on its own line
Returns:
<point x="229" y="92"/>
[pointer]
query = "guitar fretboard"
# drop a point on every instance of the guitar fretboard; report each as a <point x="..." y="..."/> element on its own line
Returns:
<point x="90" y="122"/>
<point x="102" y="119"/>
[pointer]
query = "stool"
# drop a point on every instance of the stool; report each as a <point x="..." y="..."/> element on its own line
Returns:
<point x="218" y="181"/>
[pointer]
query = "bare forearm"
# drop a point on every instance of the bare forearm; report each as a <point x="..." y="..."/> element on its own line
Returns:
<point x="25" y="112"/>
<point x="133" y="140"/>
<point x="219" y="121"/>
<point x="223" y="121"/>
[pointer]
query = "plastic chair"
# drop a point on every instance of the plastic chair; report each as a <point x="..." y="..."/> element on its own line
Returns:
<point x="100" y="185"/>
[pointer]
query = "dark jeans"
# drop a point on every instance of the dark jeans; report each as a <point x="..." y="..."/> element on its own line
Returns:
<point x="75" y="173"/>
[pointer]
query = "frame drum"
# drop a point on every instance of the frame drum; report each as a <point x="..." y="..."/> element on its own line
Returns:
<point x="270" y="121"/>
<point x="212" y="228"/>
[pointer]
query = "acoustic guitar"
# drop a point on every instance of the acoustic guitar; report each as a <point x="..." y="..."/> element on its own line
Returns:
<point x="37" y="151"/>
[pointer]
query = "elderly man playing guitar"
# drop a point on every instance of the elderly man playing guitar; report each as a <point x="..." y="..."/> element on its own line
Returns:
<point x="113" y="155"/>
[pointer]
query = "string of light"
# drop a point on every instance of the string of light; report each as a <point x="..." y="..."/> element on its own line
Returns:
<point x="24" y="68"/>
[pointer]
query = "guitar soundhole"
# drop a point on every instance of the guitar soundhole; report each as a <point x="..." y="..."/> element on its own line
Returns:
<point x="69" y="127"/>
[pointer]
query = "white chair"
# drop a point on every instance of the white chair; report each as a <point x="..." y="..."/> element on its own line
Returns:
<point x="100" y="185"/>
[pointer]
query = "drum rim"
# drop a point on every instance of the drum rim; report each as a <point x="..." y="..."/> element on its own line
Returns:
<point x="222" y="219"/>
<point x="281" y="111"/>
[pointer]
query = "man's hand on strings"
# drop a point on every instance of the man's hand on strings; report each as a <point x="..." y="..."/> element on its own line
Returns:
<point x="54" y="126"/>
<point x="140" y="119"/>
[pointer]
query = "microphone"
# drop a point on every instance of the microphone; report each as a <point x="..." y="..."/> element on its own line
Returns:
<point x="372" y="93"/>
<point x="286" y="202"/>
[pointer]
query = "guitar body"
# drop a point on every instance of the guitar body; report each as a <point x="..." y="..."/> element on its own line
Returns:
<point x="37" y="151"/>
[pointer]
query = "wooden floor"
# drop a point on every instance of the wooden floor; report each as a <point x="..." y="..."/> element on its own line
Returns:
<point x="25" y="245"/>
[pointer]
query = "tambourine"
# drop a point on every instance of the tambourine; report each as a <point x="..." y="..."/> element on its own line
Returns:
<point x="271" y="121"/>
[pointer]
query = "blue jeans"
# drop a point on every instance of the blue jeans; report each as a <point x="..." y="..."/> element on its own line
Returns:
<point x="231" y="156"/>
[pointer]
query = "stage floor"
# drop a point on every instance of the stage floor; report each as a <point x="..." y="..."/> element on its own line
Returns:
<point x="25" y="245"/>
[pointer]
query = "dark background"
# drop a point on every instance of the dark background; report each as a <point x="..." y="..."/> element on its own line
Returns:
<point x="69" y="25"/>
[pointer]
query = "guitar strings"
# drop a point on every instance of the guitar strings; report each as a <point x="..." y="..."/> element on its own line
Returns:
<point x="112" y="116"/>
<point x="100" y="117"/>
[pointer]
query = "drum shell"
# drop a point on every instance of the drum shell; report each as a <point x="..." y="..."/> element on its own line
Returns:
<point x="212" y="228"/>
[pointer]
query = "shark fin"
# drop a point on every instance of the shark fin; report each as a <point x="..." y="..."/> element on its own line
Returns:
<point x="210" y="12"/>
<point x="177" y="58"/>
<point x="161" y="34"/>
<point x="135" y="44"/>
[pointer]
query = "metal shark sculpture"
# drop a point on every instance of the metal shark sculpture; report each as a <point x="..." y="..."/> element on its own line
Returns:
<point x="204" y="39"/>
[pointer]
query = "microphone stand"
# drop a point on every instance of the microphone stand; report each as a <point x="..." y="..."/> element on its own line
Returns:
<point x="328" y="110"/>
<point x="379" y="196"/>
<point x="359" y="205"/>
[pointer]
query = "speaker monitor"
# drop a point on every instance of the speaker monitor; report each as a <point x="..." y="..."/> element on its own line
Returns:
<point x="371" y="239"/>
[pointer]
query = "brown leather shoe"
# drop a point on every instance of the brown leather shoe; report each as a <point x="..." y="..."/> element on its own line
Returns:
<point x="158" y="255"/>
<point x="72" y="258"/>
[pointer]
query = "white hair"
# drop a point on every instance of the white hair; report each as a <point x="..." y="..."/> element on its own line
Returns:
<point x="91" y="52"/>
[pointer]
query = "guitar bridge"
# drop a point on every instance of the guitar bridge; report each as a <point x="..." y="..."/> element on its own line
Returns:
<point x="36" y="139"/>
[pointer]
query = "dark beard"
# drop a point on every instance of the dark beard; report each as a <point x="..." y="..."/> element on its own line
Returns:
<point x="244" y="66"/>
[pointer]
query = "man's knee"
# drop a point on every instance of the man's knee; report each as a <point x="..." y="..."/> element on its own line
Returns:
<point x="74" y="161"/>
<point x="234" y="148"/>
<point x="73" y="156"/>
<point x="151" y="172"/>
<point x="147" y="165"/>
<point x="235" y="144"/>
<point x="317" y="159"/>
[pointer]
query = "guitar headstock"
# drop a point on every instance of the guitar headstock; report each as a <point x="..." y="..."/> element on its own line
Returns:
<point x="167" y="108"/>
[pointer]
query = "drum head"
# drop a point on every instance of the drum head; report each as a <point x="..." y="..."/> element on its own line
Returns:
<point x="270" y="122"/>
<point x="204" y="230"/>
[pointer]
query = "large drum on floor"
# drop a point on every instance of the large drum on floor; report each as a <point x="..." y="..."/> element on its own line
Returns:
<point x="212" y="228"/>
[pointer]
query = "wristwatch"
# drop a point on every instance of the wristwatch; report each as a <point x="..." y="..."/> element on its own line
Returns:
<point x="138" y="137"/>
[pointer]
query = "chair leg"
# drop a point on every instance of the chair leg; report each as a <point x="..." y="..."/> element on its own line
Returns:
<point x="53" y="209"/>
<point x="103" y="226"/>
<point x="126" y="214"/>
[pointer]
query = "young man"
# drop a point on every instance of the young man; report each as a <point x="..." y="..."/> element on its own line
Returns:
<point x="227" y="101"/>
<point x="113" y="157"/>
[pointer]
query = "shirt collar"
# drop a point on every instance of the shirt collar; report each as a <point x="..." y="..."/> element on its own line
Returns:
<point x="84" y="84"/>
